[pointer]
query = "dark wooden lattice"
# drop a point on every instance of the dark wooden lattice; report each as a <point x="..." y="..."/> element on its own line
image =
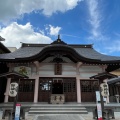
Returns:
<point x="26" y="90"/>
<point x="88" y="88"/>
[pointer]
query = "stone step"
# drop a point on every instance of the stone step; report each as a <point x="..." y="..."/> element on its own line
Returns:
<point x="57" y="106"/>
<point x="57" y="112"/>
<point x="58" y="109"/>
<point x="73" y="109"/>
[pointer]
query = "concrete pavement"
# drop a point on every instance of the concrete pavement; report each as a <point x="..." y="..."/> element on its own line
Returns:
<point x="88" y="116"/>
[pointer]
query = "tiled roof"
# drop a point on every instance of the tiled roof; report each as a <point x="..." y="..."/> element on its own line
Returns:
<point x="32" y="50"/>
<point x="90" y="53"/>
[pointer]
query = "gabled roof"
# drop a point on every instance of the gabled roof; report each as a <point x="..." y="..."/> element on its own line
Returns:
<point x="84" y="53"/>
<point x="113" y="80"/>
<point x="103" y="76"/>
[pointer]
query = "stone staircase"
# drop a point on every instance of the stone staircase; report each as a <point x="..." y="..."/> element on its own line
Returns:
<point x="58" y="109"/>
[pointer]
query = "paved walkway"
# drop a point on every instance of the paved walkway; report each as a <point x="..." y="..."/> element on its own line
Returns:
<point x="88" y="116"/>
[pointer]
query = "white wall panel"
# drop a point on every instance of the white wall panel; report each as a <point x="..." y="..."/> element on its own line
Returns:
<point x="90" y="69"/>
<point x="87" y="75"/>
<point x="68" y="69"/>
<point x="46" y="69"/>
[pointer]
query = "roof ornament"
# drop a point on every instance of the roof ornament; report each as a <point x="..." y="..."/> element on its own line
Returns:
<point x="2" y="39"/>
<point x="58" y="41"/>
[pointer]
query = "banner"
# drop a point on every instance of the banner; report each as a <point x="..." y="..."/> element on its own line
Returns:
<point x="17" y="112"/>
<point x="99" y="110"/>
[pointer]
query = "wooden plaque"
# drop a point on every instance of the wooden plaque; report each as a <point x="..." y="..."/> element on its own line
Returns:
<point x="58" y="69"/>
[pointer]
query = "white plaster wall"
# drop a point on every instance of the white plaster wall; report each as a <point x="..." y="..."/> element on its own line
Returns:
<point x="87" y="75"/>
<point x="33" y="69"/>
<point x="68" y="69"/>
<point x="88" y="71"/>
<point x="46" y="69"/>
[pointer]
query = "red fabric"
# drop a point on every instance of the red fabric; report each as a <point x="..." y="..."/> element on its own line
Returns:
<point x="18" y="104"/>
<point x="100" y="119"/>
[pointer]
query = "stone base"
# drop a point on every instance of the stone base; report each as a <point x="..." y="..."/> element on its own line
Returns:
<point x="57" y="99"/>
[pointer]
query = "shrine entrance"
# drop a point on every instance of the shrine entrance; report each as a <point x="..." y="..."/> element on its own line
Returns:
<point x="57" y="86"/>
<point x="65" y="86"/>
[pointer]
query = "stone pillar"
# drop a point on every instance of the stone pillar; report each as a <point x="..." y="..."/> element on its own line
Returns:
<point x="36" y="90"/>
<point x="7" y="90"/>
<point x="78" y="82"/>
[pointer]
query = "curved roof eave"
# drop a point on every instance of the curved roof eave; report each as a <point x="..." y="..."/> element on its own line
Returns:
<point x="79" y="54"/>
<point x="58" y="48"/>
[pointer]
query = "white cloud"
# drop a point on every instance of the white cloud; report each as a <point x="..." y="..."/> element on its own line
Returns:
<point x="95" y="18"/>
<point x="54" y="30"/>
<point x="10" y="9"/>
<point x="15" y="33"/>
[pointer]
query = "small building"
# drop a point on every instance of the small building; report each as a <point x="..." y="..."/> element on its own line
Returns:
<point x="57" y="69"/>
<point x="3" y="69"/>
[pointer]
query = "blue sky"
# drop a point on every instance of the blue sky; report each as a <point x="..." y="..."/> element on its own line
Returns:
<point x="94" y="22"/>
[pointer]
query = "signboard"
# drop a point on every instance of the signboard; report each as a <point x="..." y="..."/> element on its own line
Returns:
<point x="99" y="111"/>
<point x="17" y="112"/>
<point x="104" y="89"/>
<point x="13" y="89"/>
<point x="23" y="70"/>
<point x="97" y="96"/>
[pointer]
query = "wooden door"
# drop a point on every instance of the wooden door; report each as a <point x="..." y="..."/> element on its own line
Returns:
<point x="88" y="88"/>
<point x="69" y="89"/>
<point x="44" y="89"/>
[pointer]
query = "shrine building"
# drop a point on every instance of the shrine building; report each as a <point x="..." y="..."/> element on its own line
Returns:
<point x="58" y="69"/>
